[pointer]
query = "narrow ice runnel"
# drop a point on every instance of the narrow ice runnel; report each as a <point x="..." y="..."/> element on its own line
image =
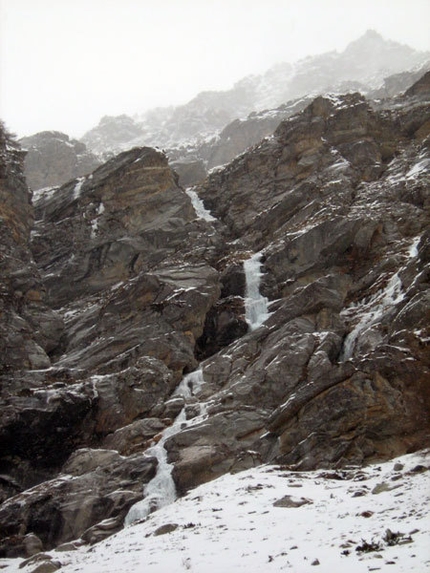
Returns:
<point x="199" y="208"/>
<point x="256" y="305"/>
<point x="161" y="490"/>
<point x="371" y="313"/>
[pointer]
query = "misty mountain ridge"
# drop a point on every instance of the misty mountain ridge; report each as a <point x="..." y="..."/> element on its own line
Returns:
<point x="362" y="66"/>
<point x="216" y="126"/>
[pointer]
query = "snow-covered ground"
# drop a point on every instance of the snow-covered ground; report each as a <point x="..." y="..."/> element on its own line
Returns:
<point x="271" y="519"/>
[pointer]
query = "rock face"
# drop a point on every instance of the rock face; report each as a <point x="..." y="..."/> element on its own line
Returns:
<point x="29" y="330"/>
<point x="139" y="334"/>
<point x="53" y="158"/>
<point x="110" y="248"/>
<point x="338" y="202"/>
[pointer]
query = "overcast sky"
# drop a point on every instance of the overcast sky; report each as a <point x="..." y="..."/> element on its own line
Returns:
<point x="66" y="63"/>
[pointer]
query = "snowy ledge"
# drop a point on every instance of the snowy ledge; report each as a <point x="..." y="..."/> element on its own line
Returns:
<point x="271" y="519"/>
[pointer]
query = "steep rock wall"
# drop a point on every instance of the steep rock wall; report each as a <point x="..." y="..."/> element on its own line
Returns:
<point x="336" y="202"/>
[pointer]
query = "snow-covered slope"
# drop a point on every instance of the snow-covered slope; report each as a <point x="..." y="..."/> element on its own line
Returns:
<point x="272" y="519"/>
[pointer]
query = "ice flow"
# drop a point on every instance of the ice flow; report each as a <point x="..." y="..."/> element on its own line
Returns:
<point x="256" y="305"/>
<point x="161" y="490"/>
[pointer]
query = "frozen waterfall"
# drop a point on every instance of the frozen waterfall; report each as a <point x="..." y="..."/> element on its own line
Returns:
<point x="371" y="312"/>
<point x="161" y="490"/>
<point x="199" y="208"/>
<point x="256" y="305"/>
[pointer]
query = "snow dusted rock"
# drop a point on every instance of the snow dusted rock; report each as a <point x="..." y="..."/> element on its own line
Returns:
<point x="53" y="158"/>
<point x="241" y="134"/>
<point x="333" y="371"/>
<point x="135" y="437"/>
<point x="421" y="87"/>
<point x="338" y="198"/>
<point x="212" y="125"/>
<point x="220" y="444"/>
<point x="109" y="247"/>
<point x="113" y="134"/>
<point x="93" y="485"/>
<point x="123" y="269"/>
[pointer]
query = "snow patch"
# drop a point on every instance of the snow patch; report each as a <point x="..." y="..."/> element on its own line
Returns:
<point x="45" y="193"/>
<point x="413" y="249"/>
<point x="270" y="519"/>
<point x="420" y="167"/>
<point x="95" y="222"/>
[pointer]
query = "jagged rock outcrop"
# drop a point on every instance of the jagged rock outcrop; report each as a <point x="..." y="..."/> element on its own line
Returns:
<point x="190" y="171"/>
<point x="216" y="126"/>
<point x="113" y="133"/>
<point x="53" y="158"/>
<point x="241" y="134"/>
<point x="145" y="291"/>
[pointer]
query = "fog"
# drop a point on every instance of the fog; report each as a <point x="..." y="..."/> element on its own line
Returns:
<point x="66" y="63"/>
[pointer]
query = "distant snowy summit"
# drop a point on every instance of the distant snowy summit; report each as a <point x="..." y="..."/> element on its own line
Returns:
<point x="362" y="66"/>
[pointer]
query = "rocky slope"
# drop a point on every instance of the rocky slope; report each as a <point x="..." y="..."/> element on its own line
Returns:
<point x="53" y="158"/>
<point x="153" y="361"/>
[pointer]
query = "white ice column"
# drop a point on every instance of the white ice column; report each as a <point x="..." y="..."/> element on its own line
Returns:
<point x="256" y="305"/>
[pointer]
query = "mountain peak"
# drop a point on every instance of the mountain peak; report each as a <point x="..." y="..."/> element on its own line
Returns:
<point x="372" y="34"/>
<point x="372" y="40"/>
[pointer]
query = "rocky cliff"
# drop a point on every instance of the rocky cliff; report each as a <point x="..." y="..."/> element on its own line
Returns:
<point x="147" y="351"/>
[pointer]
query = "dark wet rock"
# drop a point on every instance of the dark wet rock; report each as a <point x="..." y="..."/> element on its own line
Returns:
<point x="134" y="437"/>
<point x="47" y="567"/>
<point x="225" y="323"/>
<point x="94" y="485"/>
<point x="21" y="546"/>
<point x="39" y="558"/>
<point x="208" y="450"/>
<point x="102" y="530"/>
<point x="29" y="329"/>
<point x="421" y="88"/>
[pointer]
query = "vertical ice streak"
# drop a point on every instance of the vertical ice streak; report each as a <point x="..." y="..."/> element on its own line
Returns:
<point x="161" y="490"/>
<point x="199" y="208"/>
<point x="256" y="305"/>
<point x="371" y="312"/>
